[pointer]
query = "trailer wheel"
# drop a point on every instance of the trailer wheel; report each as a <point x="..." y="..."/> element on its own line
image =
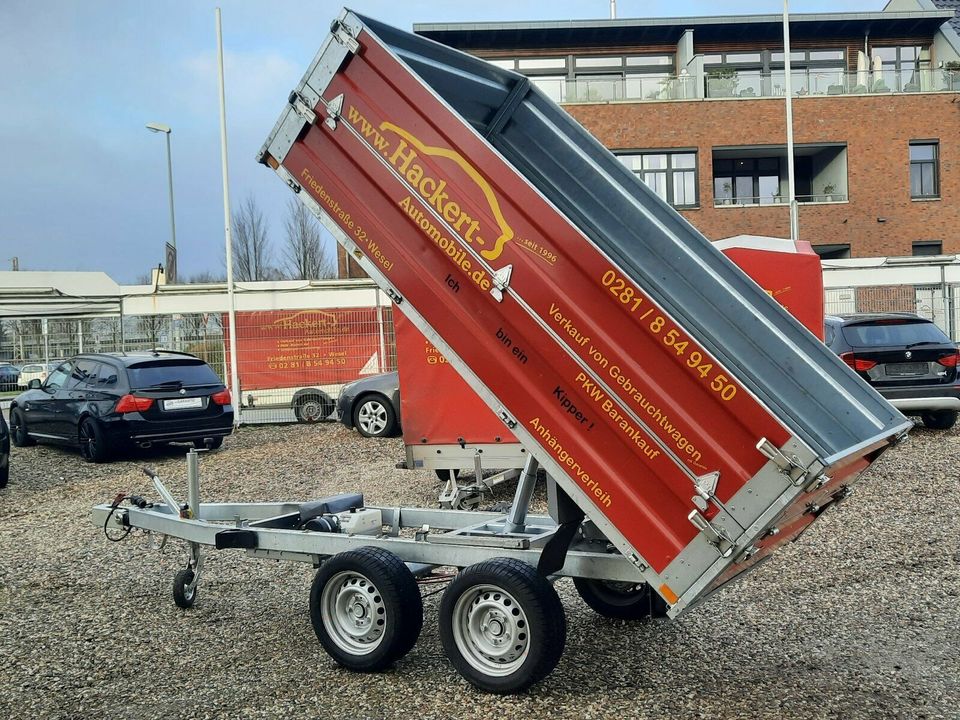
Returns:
<point x="621" y="600"/>
<point x="183" y="595"/>
<point x="366" y="609"/>
<point x="502" y="625"/>
<point x="312" y="408"/>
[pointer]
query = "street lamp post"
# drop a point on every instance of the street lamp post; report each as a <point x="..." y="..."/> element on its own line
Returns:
<point x="171" y="270"/>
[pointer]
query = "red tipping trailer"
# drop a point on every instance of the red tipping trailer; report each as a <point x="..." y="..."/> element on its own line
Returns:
<point x="688" y="425"/>
<point x="684" y="411"/>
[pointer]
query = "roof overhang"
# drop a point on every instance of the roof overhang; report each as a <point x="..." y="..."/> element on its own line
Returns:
<point x="483" y="36"/>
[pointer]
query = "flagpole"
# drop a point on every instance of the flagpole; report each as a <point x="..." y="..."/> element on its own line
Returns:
<point x="228" y="233"/>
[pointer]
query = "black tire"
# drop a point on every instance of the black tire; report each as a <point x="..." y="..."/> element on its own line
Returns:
<point x="183" y="596"/>
<point x="374" y="589"/>
<point x="18" y="429"/>
<point x="502" y="625"/>
<point x="93" y="441"/>
<point x="621" y="601"/>
<point x="373" y="416"/>
<point x="939" y="419"/>
<point x="215" y="444"/>
<point x="312" y="408"/>
<point x="444" y="475"/>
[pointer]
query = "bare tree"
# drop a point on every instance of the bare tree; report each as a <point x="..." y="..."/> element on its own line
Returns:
<point x="205" y="278"/>
<point x="305" y="254"/>
<point x="251" y="246"/>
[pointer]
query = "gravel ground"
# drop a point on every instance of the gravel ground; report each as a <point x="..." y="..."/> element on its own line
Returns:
<point x="859" y="618"/>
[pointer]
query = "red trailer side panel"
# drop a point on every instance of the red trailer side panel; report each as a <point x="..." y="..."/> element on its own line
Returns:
<point x="399" y="182"/>
<point x="437" y="407"/>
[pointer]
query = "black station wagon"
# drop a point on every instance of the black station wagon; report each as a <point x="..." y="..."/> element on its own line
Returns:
<point x="104" y="402"/>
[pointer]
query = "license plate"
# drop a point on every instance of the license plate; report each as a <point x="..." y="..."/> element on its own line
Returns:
<point x="905" y="369"/>
<point x="182" y="403"/>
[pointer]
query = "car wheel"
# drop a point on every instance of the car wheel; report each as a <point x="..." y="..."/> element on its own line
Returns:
<point x="374" y="417"/>
<point x="939" y="419"/>
<point x="18" y="429"/>
<point x="93" y="443"/>
<point x="312" y="408"/>
<point x="215" y="444"/>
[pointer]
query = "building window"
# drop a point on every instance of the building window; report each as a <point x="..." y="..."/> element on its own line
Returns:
<point x="671" y="175"/>
<point x="838" y="251"/>
<point x="924" y="170"/>
<point x="903" y="66"/>
<point x="928" y="247"/>
<point x="746" y="181"/>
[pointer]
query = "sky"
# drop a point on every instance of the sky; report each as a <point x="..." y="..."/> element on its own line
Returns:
<point x="83" y="184"/>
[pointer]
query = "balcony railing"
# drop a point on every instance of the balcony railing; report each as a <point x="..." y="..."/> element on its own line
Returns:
<point x="778" y="200"/>
<point x="829" y="82"/>
<point x="747" y="84"/>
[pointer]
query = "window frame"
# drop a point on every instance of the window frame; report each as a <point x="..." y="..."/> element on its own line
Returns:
<point x="669" y="171"/>
<point x="935" y="162"/>
<point x="754" y="173"/>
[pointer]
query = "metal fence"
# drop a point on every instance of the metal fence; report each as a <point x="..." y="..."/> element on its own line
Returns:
<point x="939" y="303"/>
<point x="287" y="359"/>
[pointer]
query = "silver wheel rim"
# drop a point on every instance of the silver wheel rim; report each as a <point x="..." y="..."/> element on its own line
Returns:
<point x="354" y="614"/>
<point x="311" y="411"/>
<point x="490" y="630"/>
<point x="372" y="417"/>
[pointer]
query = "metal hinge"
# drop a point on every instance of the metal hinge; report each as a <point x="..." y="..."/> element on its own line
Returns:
<point x="343" y="35"/>
<point x="507" y="419"/>
<point x="334" y="111"/>
<point x="714" y="535"/>
<point x="501" y="281"/>
<point x="706" y="486"/>
<point x="789" y="465"/>
<point x="302" y="108"/>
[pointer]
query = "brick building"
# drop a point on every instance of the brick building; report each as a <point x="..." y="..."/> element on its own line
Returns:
<point x="696" y="107"/>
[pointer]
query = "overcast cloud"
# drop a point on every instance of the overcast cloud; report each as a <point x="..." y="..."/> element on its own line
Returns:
<point x="83" y="183"/>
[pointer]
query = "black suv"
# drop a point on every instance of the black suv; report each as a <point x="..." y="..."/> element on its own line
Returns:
<point x="104" y="402"/>
<point x="908" y="359"/>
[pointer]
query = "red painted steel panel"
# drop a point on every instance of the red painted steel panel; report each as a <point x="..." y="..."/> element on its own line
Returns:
<point x="795" y="280"/>
<point x="437" y="406"/>
<point x="653" y="367"/>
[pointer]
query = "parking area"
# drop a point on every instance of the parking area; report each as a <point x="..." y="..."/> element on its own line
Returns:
<point x="859" y="618"/>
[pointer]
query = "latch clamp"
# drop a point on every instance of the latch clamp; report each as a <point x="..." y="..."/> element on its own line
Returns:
<point x="507" y="419"/>
<point x="789" y="465"/>
<point x="341" y="33"/>
<point x="714" y="535"/>
<point x="300" y="106"/>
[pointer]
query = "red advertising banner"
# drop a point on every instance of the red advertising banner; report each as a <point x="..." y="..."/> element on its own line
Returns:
<point x="290" y="348"/>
